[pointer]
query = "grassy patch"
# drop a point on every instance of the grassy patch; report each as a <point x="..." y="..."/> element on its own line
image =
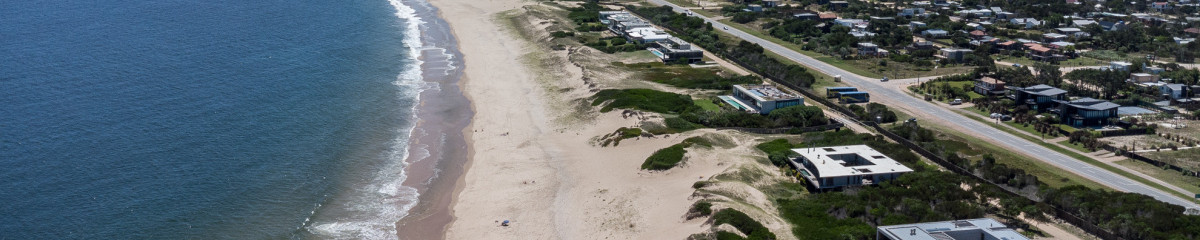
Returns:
<point x="685" y="76"/>
<point x="742" y="222"/>
<point x="1048" y="174"/>
<point x="1077" y="147"/>
<point x="1186" y="158"/>
<point x="1080" y="61"/>
<point x="846" y="65"/>
<point x="642" y="99"/>
<point x="623" y="133"/>
<point x="667" y="158"/>
<point x="707" y="105"/>
<point x="1172" y="177"/>
<point x="1085" y="159"/>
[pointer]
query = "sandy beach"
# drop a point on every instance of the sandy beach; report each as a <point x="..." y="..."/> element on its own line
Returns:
<point x="542" y="173"/>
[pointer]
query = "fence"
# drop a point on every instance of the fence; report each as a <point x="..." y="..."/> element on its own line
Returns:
<point x="1157" y="163"/>
<point x="792" y="130"/>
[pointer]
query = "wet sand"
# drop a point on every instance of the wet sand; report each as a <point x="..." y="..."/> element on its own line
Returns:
<point x="444" y="114"/>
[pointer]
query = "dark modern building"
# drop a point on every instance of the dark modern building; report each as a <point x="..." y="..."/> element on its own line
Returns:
<point x="1039" y="97"/>
<point x="1086" y="112"/>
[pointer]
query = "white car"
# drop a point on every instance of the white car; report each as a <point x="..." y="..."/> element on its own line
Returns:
<point x="726" y="28"/>
<point x="884" y="79"/>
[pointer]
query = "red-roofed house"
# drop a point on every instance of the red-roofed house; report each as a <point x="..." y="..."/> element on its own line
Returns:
<point x="1037" y="52"/>
<point x="977" y="34"/>
<point x="1010" y="45"/>
<point x="828" y="16"/>
<point x="1193" y="31"/>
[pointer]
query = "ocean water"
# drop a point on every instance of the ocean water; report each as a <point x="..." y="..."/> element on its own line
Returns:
<point x="214" y="119"/>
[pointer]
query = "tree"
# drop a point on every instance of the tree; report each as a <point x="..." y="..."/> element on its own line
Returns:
<point x="1048" y="74"/>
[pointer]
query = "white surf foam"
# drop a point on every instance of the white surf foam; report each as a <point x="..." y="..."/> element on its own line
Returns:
<point x="375" y="206"/>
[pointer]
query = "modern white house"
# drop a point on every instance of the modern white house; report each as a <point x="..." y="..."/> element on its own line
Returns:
<point x="761" y="99"/>
<point x="970" y="229"/>
<point x="842" y="166"/>
<point x="1120" y="66"/>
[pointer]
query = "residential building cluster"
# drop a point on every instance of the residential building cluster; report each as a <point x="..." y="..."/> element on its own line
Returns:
<point x="634" y="29"/>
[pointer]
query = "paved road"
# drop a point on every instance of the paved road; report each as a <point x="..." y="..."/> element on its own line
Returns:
<point x="968" y="126"/>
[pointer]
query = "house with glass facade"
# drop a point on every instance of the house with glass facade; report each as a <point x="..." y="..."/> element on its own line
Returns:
<point x="1039" y="97"/>
<point x="1085" y="112"/>
<point x="761" y="98"/>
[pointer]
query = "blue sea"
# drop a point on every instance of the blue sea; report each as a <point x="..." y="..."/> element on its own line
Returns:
<point x="216" y="119"/>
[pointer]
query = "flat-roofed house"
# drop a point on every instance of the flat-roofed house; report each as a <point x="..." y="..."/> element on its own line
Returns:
<point x="1025" y="22"/>
<point x="1175" y="91"/>
<point x="1143" y="78"/>
<point x="1039" y="97"/>
<point x="971" y="229"/>
<point x="676" y="50"/>
<point x="1121" y="66"/>
<point x="935" y="33"/>
<point x="1086" y="112"/>
<point x="761" y="98"/>
<point x="828" y="168"/>
<point x="645" y="35"/>
<point x="1053" y="37"/>
<point x="911" y="12"/>
<point x="990" y="86"/>
<point x="915" y="25"/>
<point x="838" y="5"/>
<point x="868" y="49"/>
<point x="955" y="54"/>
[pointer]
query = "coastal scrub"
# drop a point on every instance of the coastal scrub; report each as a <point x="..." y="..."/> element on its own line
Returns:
<point x="667" y="158"/>
<point x="643" y="99"/>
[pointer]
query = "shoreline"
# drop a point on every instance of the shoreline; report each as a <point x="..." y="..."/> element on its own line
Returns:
<point x="440" y="130"/>
<point x="532" y="157"/>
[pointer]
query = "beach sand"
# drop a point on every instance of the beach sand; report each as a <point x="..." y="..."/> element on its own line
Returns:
<point x="543" y="175"/>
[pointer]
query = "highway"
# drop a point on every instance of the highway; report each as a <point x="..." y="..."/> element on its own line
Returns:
<point x="968" y="126"/>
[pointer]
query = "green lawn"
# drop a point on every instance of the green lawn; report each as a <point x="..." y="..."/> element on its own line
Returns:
<point x="1077" y="147"/>
<point x="707" y="105"/>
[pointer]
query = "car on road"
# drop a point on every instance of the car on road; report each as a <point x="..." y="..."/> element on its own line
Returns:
<point x="884" y="79"/>
<point x="1016" y="65"/>
<point x="726" y="28"/>
<point x="957" y="101"/>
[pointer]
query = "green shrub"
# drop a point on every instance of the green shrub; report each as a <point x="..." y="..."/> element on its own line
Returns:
<point x="665" y="158"/>
<point x="643" y="99"/>
<point x="680" y="125"/>
<point x="561" y="34"/>
<point x="743" y="223"/>
<point x="703" y="208"/>
<point x="723" y="235"/>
